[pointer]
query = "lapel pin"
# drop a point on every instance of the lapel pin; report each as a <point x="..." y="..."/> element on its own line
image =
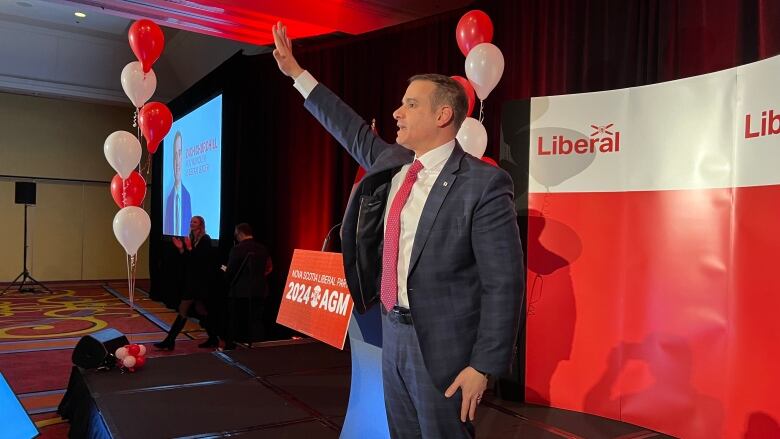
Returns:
<point x="444" y="184"/>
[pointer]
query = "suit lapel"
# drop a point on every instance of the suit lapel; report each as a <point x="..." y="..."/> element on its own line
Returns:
<point x="435" y="199"/>
<point x="374" y="177"/>
<point x="393" y="160"/>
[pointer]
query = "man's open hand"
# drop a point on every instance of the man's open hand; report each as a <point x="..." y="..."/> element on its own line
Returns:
<point x="283" y="52"/>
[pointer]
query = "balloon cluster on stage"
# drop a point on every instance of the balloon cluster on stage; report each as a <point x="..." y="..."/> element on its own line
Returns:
<point x="123" y="149"/>
<point x="131" y="357"/>
<point x="484" y="68"/>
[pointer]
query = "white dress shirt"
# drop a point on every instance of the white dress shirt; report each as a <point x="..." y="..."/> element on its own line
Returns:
<point x="433" y="161"/>
<point x="177" y="213"/>
<point x="305" y="83"/>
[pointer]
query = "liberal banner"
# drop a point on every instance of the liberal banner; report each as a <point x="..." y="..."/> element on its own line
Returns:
<point x="316" y="300"/>
<point x="652" y="295"/>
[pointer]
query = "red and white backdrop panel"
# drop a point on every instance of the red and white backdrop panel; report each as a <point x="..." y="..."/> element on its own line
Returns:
<point x="653" y="286"/>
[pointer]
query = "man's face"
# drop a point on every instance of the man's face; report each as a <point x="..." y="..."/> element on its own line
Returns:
<point x="177" y="160"/>
<point x="417" y="120"/>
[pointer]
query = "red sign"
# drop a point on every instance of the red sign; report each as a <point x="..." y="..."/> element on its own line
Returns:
<point x="316" y="300"/>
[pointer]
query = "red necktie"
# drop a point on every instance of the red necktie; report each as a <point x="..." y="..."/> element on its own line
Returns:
<point x="392" y="233"/>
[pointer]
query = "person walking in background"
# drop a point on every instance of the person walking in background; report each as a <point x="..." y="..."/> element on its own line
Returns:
<point x="248" y="265"/>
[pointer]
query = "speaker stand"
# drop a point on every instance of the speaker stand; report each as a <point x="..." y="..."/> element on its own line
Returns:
<point x="25" y="283"/>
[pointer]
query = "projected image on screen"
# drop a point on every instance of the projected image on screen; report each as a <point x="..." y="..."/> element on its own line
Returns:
<point x="192" y="167"/>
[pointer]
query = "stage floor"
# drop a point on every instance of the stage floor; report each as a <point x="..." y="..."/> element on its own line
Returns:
<point x="296" y="389"/>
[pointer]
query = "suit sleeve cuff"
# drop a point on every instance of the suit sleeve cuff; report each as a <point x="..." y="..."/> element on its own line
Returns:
<point x="305" y="83"/>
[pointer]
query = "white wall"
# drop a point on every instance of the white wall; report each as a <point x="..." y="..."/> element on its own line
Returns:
<point x="70" y="232"/>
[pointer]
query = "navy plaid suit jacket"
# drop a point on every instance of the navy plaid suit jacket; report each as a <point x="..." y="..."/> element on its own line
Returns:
<point x="466" y="276"/>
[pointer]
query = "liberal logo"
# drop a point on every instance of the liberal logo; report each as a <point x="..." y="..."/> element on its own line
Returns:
<point x="603" y="139"/>
<point x="768" y="125"/>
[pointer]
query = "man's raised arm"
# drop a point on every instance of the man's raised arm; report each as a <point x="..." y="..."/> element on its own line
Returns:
<point x="341" y="121"/>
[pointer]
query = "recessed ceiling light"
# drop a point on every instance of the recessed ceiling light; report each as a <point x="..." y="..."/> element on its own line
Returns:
<point x="80" y="14"/>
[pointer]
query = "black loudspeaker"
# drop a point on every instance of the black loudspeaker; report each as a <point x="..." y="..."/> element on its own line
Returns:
<point x="25" y="192"/>
<point x="97" y="350"/>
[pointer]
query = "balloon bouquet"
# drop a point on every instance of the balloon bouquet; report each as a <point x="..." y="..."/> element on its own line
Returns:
<point x="123" y="149"/>
<point x="131" y="357"/>
<point x="484" y="68"/>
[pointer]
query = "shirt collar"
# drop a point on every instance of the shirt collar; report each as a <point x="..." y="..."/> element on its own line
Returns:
<point x="437" y="156"/>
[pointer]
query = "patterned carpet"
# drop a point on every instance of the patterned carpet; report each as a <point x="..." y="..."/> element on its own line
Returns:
<point x="39" y="330"/>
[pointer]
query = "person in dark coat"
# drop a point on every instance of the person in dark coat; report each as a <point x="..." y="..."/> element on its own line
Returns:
<point x="246" y="271"/>
<point x="199" y="266"/>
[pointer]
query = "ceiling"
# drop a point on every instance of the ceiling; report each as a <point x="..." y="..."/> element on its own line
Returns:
<point x="48" y="51"/>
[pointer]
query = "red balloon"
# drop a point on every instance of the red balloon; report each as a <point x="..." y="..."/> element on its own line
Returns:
<point x="155" y="120"/>
<point x="133" y="350"/>
<point x="489" y="161"/>
<point x="147" y="41"/>
<point x="473" y="28"/>
<point x="139" y="361"/>
<point x="128" y="192"/>
<point x="470" y="95"/>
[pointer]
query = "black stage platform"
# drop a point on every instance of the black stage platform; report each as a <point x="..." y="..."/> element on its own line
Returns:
<point x="296" y="389"/>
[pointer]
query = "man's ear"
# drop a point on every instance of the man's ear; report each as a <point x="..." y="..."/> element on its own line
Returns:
<point x="446" y="115"/>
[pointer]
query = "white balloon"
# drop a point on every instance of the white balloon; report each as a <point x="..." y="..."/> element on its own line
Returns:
<point x="121" y="353"/>
<point x="131" y="228"/>
<point x="123" y="152"/>
<point x="472" y="137"/>
<point x="484" y="67"/>
<point x="138" y="86"/>
<point x="128" y="361"/>
<point x="142" y="352"/>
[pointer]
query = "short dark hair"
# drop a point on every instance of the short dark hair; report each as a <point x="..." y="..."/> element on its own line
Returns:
<point x="448" y="92"/>
<point x="244" y="228"/>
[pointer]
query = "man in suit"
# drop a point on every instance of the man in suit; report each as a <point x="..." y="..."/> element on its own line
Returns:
<point x="431" y="233"/>
<point x="178" y="207"/>
<point x="248" y="265"/>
